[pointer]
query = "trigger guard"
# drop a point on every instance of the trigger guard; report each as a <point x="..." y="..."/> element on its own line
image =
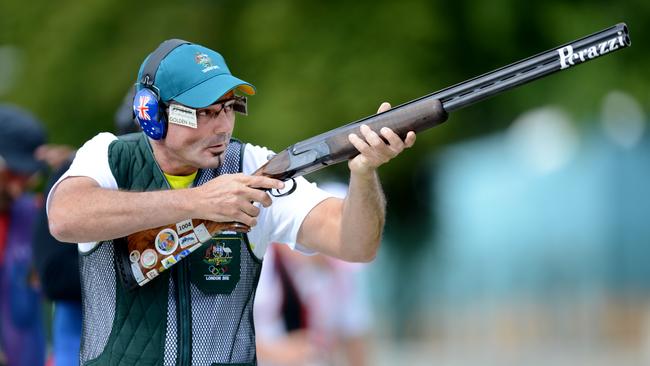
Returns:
<point x="277" y="193"/>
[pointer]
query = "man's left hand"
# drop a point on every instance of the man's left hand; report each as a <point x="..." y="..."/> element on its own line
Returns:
<point x="374" y="151"/>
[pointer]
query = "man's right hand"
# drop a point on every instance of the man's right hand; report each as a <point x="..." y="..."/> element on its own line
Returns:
<point x="80" y="211"/>
<point x="232" y="197"/>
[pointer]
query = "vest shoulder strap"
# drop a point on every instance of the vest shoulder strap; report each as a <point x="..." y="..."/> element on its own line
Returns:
<point x="132" y="163"/>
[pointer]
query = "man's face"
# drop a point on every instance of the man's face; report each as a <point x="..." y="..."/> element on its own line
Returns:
<point x="185" y="149"/>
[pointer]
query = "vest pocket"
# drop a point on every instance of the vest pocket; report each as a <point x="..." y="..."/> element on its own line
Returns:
<point x="215" y="267"/>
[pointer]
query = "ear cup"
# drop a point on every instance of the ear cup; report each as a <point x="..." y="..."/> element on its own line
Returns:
<point x="148" y="110"/>
<point x="150" y="114"/>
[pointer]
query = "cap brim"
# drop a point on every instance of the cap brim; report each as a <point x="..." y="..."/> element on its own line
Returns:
<point x="209" y="91"/>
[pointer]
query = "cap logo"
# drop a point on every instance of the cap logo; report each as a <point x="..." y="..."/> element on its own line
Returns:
<point x="205" y="61"/>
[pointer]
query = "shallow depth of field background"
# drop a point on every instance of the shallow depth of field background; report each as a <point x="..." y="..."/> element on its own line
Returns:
<point x="517" y="232"/>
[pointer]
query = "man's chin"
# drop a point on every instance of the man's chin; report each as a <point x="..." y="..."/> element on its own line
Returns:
<point x="214" y="161"/>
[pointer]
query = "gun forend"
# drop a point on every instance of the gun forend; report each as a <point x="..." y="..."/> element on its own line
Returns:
<point x="333" y="146"/>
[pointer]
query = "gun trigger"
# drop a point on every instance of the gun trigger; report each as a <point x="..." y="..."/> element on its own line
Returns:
<point x="277" y="193"/>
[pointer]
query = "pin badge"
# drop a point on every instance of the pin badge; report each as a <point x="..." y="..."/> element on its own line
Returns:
<point x="148" y="258"/>
<point x="166" y="241"/>
<point x="134" y="256"/>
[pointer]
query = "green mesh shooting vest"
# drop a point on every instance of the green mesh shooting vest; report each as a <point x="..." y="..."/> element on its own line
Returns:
<point x="199" y="312"/>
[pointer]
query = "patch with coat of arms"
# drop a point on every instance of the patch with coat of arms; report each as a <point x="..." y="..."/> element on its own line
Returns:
<point x="215" y="266"/>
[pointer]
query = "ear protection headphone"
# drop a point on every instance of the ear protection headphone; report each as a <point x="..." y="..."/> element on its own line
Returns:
<point x="148" y="110"/>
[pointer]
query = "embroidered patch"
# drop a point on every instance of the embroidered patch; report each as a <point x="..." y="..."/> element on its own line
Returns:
<point x="218" y="256"/>
<point x="205" y="61"/>
<point x="215" y="268"/>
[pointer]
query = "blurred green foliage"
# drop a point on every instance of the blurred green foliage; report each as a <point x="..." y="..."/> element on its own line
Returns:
<point x="318" y="64"/>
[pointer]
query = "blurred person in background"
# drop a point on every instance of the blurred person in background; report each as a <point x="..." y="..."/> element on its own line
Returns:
<point x="57" y="262"/>
<point x="22" y="337"/>
<point x="58" y="269"/>
<point x="184" y="166"/>
<point x="311" y="310"/>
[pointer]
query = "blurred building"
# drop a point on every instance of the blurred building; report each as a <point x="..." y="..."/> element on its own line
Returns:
<point x="542" y="245"/>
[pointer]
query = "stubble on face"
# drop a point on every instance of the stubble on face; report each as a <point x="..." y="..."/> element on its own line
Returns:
<point x="184" y="156"/>
<point x="215" y="146"/>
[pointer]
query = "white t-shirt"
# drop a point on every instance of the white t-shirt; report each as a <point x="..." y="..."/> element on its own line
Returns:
<point x="278" y="223"/>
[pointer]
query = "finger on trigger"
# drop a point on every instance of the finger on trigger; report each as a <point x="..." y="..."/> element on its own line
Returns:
<point x="265" y="182"/>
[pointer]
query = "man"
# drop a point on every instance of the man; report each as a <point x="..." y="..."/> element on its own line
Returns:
<point x="21" y="329"/>
<point x="200" y="311"/>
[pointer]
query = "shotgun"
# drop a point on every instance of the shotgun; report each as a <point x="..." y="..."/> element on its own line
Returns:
<point x="332" y="147"/>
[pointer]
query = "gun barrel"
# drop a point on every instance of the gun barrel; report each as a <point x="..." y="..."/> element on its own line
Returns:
<point x="332" y="147"/>
<point x="534" y="67"/>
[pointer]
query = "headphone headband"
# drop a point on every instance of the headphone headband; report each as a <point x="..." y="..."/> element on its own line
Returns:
<point x="154" y="60"/>
<point x="148" y="110"/>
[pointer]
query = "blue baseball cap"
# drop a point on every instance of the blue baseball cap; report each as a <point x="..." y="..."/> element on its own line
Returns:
<point x="20" y="134"/>
<point x="195" y="76"/>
